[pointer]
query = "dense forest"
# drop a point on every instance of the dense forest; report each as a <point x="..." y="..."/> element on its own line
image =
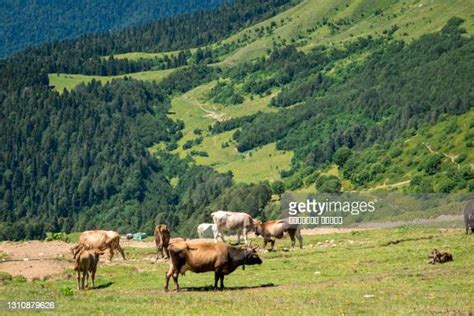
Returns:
<point x="27" y="22"/>
<point x="82" y="159"/>
<point x="79" y="159"/>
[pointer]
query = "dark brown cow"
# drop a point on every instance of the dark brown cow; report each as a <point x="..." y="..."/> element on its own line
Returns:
<point x="439" y="257"/>
<point x="272" y="230"/>
<point x="205" y="256"/>
<point x="469" y="217"/>
<point x="162" y="239"/>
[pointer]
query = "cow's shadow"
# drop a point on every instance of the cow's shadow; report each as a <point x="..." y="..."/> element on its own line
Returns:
<point x="103" y="286"/>
<point x="210" y="288"/>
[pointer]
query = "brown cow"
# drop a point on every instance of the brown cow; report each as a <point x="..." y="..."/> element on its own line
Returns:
<point x="206" y="256"/>
<point x="272" y="230"/>
<point x="162" y="239"/>
<point x="86" y="261"/>
<point x="99" y="239"/>
<point x="439" y="257"/>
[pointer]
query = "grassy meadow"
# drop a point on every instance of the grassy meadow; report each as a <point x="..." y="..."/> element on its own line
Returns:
<point x="70" y="81"/>
<point x="198" y="112"/>
<point x="342" y="273"/>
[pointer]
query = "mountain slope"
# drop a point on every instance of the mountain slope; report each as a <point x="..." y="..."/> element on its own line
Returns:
<point x="27" y="22"/>
<point x="217" y="127"/>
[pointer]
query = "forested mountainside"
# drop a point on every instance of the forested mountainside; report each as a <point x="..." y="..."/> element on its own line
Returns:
<point x="223" y="109"/>
<point x="79" y="160"/>
<point x="26" y="22"/>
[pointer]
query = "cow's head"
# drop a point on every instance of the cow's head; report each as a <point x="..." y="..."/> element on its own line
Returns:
<point x="251" y="256"/>
<point x="257" y="227"/>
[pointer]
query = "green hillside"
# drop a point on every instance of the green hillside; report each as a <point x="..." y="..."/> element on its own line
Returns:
<point x="402" y="165"/>
<point x="328" y="22"/>
<point x="238" y="105"/>
<point x="306" y="25"/>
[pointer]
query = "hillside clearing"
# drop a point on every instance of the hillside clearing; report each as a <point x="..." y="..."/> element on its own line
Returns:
<point x="70" y="81"/>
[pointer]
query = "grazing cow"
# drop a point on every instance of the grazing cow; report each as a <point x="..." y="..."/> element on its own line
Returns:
<point x="469" y="217"/>
<point x="203" y="256"/>
<point x="207" y="230"/>
<point x="99" y="239"/>
<point x="162" y="239"/>
<point x="232" y="221"/>
<point x="86" y="261"/>
<point x="272" y="230"/>
<point x="439" y="257"/>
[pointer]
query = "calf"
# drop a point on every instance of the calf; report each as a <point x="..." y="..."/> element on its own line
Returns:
<point x="232" y="221"/>
<point x="162" y="239"/>
<point x="439" y="257"/>
<point x="100" y="239"/>
<point x="272" y="230"/>
<point x="86" y="261"/>
<point x="203" y="256"/>
<point x="469" y="217"/>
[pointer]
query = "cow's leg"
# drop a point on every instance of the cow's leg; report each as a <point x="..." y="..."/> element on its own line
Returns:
<point x="111" y="253"/>
<point x="83" y="279"/>
<point x="78" y="280"/>
<point x="168" y="276"/>
<point x="216" y="279"/>
<point x="218" y="233"/>
<point x="238" y="237"/>
<point x="87" y="279"/>
<point x="272" y="242"/>
<point x="222" y="282"/>
<point x="291" y="233"/>
<point x="244" y="232"/>
<point x="167" y="253"/>
<point x="265" y="241"/>
<point x="175" y="279"/>
<point x="157" y="244"/>
<point x="93" y="278"/>
<point x="300" y="238"/>
<point x="120" y="249"/>
<point x="161" y="251"/>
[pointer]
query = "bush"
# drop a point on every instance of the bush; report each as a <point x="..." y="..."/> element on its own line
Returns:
<point x="328" y="184"/>
<point x="56" y="236"/>
<point x="4" y="276"/>
<point x="225" y="94"/>
<point x="341" y="155"/>
<point x="431" y="164"/>
<point x="445" y="185"/>
<point x="460" y="158"/>
<point x="199" y="153"/>
<point x="395" y="152"/>
<point x="66" y="291"/>
<point x="278" y="187"/>
<point x="188" y="144"/>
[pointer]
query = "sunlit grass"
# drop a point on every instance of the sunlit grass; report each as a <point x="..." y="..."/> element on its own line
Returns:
<point x="327" y="278"/>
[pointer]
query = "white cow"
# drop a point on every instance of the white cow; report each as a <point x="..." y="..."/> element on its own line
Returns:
<point x="207" y="230"/>
<point x="232" y="221"/>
